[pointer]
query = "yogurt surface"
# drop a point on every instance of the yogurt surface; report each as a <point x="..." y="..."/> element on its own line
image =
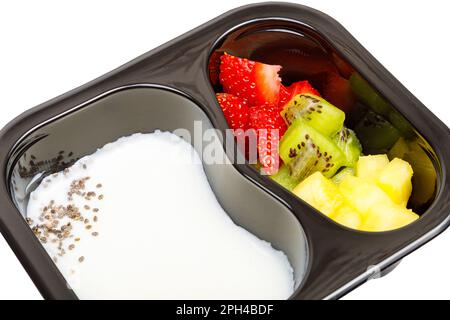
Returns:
<point x="138" y="219"/>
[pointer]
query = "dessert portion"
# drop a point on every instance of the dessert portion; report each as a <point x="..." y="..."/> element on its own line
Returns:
<point x="373" y="198"/>
<point x="305" y="143"/>
<point x="138" y="219"/>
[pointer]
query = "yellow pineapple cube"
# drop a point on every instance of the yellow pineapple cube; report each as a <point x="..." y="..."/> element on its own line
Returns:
<point x="385" y="217"/>
<point x="362" y="194"/>
<point x="395" y="180"/>
<point x="320" y="193"/>
<point x="368" y="167"/>
<point x="347" y="216"/>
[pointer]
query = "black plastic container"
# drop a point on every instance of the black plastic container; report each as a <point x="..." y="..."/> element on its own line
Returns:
<point x="173" y="85"/>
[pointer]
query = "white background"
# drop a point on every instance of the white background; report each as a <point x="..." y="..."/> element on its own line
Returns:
<point x="49" y="47"/>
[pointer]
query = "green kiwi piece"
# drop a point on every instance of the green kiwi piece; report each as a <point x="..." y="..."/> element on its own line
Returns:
<point x="347" y="141"/>
<point x="283" y="177"/>
<point x="376" y="134"/>
<point x="344" y="172"/>
<point x="320" y="114"/>
<point x="305" y="150"/>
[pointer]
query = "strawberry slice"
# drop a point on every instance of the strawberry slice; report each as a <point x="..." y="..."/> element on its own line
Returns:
<point x="285" y="96"/>
<point x="255" y="82"/>
<point x="299" y="87"/>
<point x="234" y="109"/>
<point x="269" y="127"/>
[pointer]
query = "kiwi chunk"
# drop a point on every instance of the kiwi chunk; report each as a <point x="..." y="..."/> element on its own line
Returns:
<point x="283" y="177"/>
<point x="305" y="150"/>
<point x="347" y="141"/>
<point x="376" y="134"/>
<point x="320" y="114"/>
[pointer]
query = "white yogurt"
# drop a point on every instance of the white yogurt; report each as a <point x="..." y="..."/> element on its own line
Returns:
<point x="159" y="233"/>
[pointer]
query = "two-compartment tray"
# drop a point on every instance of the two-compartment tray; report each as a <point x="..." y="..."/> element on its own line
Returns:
<point x="171" y="87"/>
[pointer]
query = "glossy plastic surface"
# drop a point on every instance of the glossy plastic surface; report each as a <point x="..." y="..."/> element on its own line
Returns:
<point x="339" y="259"/>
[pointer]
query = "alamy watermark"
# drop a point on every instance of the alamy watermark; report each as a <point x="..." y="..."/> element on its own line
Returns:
<point x="235" y="146"/>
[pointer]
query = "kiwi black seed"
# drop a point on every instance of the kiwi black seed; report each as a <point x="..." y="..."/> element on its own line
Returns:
<point x="317" y="152"/>
<point x="320" y="114"/>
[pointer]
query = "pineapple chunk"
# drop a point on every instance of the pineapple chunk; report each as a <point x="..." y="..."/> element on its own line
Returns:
<point x="385" y="217"/>
<point x="320" y="193"/>
<point x="395" y="180"/>
<point x="374" y="200"/>
<point x="347" y="216"/>
<point x="362" y="194"/>
<point x="368" y="167"/>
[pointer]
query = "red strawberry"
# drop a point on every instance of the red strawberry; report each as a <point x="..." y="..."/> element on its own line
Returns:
<point x="285" y="96"/>
<point x="299" y="87"/>
<point x="256" y="82"/>
<point x="235" y="110"/>
<point x="270" y="127"/>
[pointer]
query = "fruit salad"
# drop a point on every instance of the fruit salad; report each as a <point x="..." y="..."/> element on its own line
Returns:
<point x="303" y="144"/>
